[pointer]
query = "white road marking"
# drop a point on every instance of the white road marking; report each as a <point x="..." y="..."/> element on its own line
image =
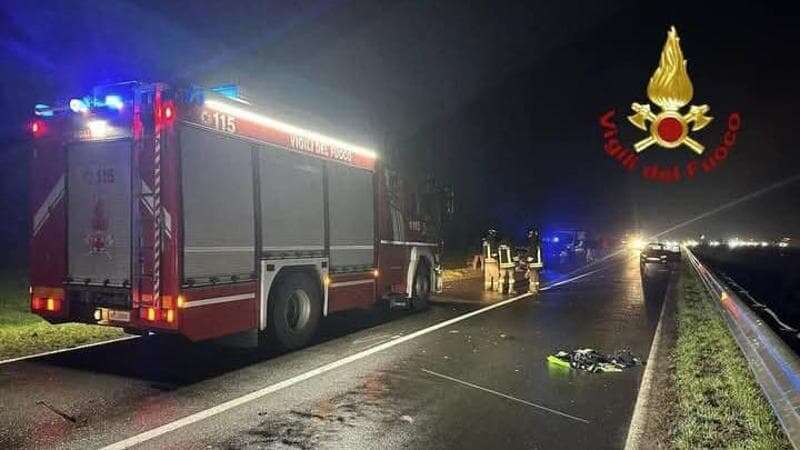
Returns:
<point x="570" y="280"/>
<point x="636" y="436"/>
<point x="230" y="404"/>
<point x="379" y="337"/>
<point x="509" y="397"/>
<point x="64" y="350"/>
<point x="222" y="407"/>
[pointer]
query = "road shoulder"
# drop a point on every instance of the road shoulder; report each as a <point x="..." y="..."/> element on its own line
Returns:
<point x="652" y="423"/>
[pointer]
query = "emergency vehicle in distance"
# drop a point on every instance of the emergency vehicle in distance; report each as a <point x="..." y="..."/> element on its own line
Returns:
<point x="184" y="210"/>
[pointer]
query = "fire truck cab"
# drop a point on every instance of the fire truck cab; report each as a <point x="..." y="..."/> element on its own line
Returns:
<point x="188" y="211"/>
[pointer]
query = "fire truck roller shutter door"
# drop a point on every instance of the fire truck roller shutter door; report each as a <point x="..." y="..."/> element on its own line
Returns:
<point x="99" y="190"/>
<point x="217" y="178"/>
<point x="292" y="204"/>
<point x="351" y="200"/>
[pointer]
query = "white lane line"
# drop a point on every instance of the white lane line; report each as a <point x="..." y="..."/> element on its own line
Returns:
<point x="111" y="341"/>
<point x="636" y="438"/>
<point x="509" y="397"/>
<point x="570" y="280"/>
<point x="222" y="407"/>
<point x="230" y="404"/>
<point x="64" y="350"/>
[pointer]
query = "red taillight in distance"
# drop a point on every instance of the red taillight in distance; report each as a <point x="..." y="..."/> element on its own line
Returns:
<point x="38" y="128"/>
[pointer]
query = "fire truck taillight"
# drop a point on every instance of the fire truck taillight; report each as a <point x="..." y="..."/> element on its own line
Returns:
<point x="49" y="304"/>
<point x="376" y="273"/>
<point x="149" y="314"/>
<point x="166" y="114"/>
<point x="169" y="315"/>
<point x="181" y="301"/>
<point x="38" y="128"/>
<point x="38" y="303"/>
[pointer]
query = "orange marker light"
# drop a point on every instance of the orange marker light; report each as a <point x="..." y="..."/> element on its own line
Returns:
<point x="51" y="304"/>
<point x="151" y="314"/>
<point x="375" y="273"/>
<point x="181" y="301"/>
<point x="170" y="315"/>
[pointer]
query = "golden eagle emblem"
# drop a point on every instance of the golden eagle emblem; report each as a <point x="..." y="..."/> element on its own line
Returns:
<point x="671" y="89"/>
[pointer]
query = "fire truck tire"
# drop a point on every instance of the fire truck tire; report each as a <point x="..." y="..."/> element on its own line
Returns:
<point x="422" y="286"/>
<point x="295" y="308"/>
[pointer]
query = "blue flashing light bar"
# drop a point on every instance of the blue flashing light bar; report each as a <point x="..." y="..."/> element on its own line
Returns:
<point x="227" y="90"/>
<point x="114" y="102"/>
<point x="43" y="110"/>
<point x="78" y="105"/>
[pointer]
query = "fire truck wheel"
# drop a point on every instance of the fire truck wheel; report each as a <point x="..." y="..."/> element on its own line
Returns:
<point x="294" y="311"/>
<point x="422" y="286"/>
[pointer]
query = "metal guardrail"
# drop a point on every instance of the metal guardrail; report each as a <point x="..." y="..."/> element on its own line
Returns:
<point x="775" y="366"/>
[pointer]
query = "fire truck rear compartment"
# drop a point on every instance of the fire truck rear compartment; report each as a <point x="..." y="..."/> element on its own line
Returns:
<point x="99" y="213"/>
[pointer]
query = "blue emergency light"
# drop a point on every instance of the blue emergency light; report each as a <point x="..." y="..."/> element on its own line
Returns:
<point x="227" y="90"/>
<point x="43" y="110"/>
<point x="78" y="105"/>
<point x="114" y="102"/>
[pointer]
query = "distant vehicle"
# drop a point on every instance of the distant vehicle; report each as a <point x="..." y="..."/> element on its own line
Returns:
<point x="565" y="246"/>
<point x="673" y="247"/>
<point x="187" y="211"/>
<point x="658" y="254"/>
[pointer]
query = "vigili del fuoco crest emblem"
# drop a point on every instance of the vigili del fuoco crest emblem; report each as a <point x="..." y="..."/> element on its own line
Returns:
<point x="670" y="89"/>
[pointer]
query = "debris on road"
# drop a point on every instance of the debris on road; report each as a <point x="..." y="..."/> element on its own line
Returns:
<point x="57" y="411"/>
<point x="592" y="361"/>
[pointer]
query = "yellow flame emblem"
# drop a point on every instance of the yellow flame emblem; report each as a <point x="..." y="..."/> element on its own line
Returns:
<point x="671" y="89"/>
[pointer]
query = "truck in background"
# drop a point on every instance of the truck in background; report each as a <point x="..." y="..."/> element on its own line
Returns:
<point x="187" y="211"/>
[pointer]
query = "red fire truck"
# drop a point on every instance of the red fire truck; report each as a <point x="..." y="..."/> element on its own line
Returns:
<point x="188" y="211"/>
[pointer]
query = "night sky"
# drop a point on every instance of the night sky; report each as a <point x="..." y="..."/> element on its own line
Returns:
<point x="501" y="100"/>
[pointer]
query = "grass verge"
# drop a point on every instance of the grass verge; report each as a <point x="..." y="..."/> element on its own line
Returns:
<point x="719" y="404"/>
<point x="23" y="333"/>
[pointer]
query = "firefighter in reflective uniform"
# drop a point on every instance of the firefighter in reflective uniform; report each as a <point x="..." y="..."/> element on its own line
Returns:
<point x="534" y="258"/>
<point x="500" y="269"/>
<point x="491" y="265"/>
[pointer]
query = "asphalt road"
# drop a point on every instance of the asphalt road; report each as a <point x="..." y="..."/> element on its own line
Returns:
<point x="373" y="380"/>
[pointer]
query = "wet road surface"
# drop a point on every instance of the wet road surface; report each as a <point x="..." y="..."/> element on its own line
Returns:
<point x="482" y="382"/>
